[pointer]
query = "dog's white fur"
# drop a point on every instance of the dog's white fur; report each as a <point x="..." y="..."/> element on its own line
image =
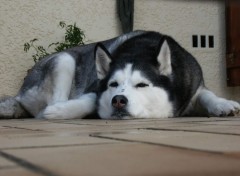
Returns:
<point x="59" y="106"/>
<point x="63" y="74"/>
<point x="216" y="106"/>
<point x="71" y="109"/>
<point x="144" y="102"/>
<point x="52" y="91"/>
<point x="150" y="101"/>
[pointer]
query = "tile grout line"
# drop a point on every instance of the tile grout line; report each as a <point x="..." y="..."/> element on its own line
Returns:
<point x="203" y="124"/>
<point x="194" y="131"/>
<point x="8" y="167"/>
<point x="27" y="165"/>
<point x="54" y="146"/>
<point x="20" y="128"/>
<point x="163" y="145"/>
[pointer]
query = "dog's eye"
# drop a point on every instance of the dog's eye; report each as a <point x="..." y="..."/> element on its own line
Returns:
<point x="113" y="84"/>
<point x="142" y="85"/>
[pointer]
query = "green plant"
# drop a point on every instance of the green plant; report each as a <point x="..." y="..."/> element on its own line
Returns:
<point x="74" y="36"/>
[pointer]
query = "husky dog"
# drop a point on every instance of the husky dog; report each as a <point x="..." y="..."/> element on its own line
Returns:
<point x="137" y="75"/>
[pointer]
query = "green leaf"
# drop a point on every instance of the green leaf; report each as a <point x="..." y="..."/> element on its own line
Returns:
<point x="74" y="36"/>
<point x="53" y="44"/>
<point x="33" y="40"/>
<point x="26" y="47"/>
<point x="62" y="24"/>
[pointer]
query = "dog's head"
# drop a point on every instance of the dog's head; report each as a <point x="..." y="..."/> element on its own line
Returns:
<point x="135" y="81"/>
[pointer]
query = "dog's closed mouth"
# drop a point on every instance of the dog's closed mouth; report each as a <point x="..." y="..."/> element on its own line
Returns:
<point x="120" y="114"/>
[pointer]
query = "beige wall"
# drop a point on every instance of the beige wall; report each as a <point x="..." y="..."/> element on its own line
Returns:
<point x="22" y="20"/>
<point x="183" y="18"/>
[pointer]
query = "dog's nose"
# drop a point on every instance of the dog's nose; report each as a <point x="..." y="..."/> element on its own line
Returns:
<point x="119" y="101"/>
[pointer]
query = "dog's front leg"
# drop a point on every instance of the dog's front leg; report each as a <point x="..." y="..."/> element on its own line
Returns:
<point x="77" y="108"/>
<point x="212" y="105"/>
<point x="62" y="76"/>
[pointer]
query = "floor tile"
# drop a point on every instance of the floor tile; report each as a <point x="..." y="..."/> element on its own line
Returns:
<point x="17" y="172"/>
<point x="230" y="130"/>
<point x="185" y="139"/>
<point x="9" y="168"/>
<point x="174" y="146"/>
<point x="225" y="123"/>
<point x="128" y="159"/>
<point x="4" y="163"/>
<point x="48" y="140"/>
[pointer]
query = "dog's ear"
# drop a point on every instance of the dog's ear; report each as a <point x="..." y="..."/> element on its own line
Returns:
<point x="102" y="60"/>
<point x="164" y="59"/>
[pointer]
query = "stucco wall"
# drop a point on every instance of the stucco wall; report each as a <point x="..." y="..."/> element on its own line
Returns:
<point x="22" y="20"/>
<point x="184" y="18"/>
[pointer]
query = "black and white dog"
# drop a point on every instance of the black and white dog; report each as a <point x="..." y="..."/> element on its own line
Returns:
<point x="137" y="75"/>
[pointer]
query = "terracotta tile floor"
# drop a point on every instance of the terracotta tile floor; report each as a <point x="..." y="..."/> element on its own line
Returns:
<point x="168" y="147"/>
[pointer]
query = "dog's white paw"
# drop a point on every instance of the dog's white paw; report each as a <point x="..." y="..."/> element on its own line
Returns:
<point x="222" y="107"/>
<point x="56" y="111"/>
